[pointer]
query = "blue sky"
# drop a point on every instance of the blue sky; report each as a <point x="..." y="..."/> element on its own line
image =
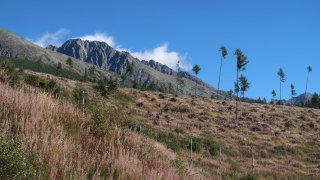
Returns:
<point x="272" y="33"/>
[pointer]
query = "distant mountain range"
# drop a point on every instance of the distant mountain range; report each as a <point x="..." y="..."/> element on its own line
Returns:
<point x="299" y="100"/>
<point x="144" y="73"/>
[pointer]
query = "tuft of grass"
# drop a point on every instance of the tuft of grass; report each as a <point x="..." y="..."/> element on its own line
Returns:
<point x="179" y="130"/>
<point x="123" y="98"/>
<point x="282" y="150"/>
<point x="180" y="164"/>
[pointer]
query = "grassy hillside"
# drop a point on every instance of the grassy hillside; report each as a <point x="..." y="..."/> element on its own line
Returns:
<point x="131" y="134"/>
<point x="50" y="69"/>
<point x="45" y="135"/>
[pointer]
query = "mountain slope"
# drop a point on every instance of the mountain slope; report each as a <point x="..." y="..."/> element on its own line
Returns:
<point x="13" y="46"/>
<point x="150" y="74"/>
<point x="135" y="134"/>
<point x="301" y="99"/>
<point x="144" y="74"/>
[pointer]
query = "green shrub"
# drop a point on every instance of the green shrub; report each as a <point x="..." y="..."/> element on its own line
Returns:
<point x="50" y="86"/>
<point x="107" y="86"/>
<point x="214" y="149"/>
<point x="180" y="164"/>
<point x="196" y="145"/>
<point x="105" y="120"/>
<point x="15" y="78"/>
<point x="249" y="177"/>
<point x="179" y="130"/>
<point x="211" y="146"/>
<point x="102" y="89"/>
<point x="15" y="163"/>
<point x="281" y="150"/>
<point x="79" y="94"/>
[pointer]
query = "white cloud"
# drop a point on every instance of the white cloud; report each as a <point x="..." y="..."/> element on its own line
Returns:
<point x="51" y="38"/>
<point x="102" y="37"/>
<point x="164" y="56"/>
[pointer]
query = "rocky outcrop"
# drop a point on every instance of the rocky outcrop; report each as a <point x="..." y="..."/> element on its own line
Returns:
<point x="143" y="73"/>
<point x="52" y="48"/>
<point x="159" y="67"/>
<point x="104" y="56"/>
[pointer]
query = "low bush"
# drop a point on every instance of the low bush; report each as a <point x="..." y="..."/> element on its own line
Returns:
<point x="48" y="85"/>
<point x="15" y="163"/>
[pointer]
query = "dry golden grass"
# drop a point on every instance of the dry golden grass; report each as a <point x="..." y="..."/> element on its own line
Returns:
<point x="65" y="147"/>
<point x="285" y="140"/>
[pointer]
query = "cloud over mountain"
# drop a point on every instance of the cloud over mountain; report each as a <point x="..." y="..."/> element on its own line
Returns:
<point x="54" y="38"/>
<point x="161" y="54"/>
<point x="98" y="36"/>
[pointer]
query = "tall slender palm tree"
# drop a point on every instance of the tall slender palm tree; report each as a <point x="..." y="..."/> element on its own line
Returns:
<point x="224" y="53"/>
<point x="309" y="69"/>
<point x="241" y="63"/>
<point x="196" y="70"/>
<point x="282" y="79"/>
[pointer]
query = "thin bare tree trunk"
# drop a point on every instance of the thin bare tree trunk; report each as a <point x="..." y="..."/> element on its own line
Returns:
<point x="191" y="151"/>
<point x="82" y="103"/>
<point x="219" y="78"/>
<point x="280" y="92"/>
<point x="307" y="84"/>
<point x="195" y="90"/>
<point x="220" y="162"/>
<point x="237" y="89"/>
<point x="252" y="160"/>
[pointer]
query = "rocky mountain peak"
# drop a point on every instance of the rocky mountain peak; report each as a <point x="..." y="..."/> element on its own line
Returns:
<point x="144" y="73"/>
<point x="52" y="48"/>
<point x="159" y="67"/>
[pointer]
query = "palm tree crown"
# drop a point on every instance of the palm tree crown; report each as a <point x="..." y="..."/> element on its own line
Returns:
<point x="241" y="60"/>
<point x="196" y="69"/>
<point x="224" y="52"/>
<point x="281" y="75"/>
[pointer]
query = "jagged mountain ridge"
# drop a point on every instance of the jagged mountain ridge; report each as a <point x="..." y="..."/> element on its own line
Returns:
<point x="108" y="61"/>
<point x="145" y="73"/>
<point x="13" y="46"/>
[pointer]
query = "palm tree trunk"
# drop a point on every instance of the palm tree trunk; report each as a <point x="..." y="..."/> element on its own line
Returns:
<point x="195" y="89"/>
<point x="219" y="78"/>
<point x="307" y="84"/>
<point x="237" y="94"/>
<point x="191" y="151"/>
<point x="177" y="87"/>
<point x="280" y="92"/>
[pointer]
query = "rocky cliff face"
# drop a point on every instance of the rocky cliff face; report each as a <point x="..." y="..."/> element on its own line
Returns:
<point x="52" y="48"/>
<point x="104" y="56"/>
<point x="159" y="67"/>
<point x="144" y="73"/>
